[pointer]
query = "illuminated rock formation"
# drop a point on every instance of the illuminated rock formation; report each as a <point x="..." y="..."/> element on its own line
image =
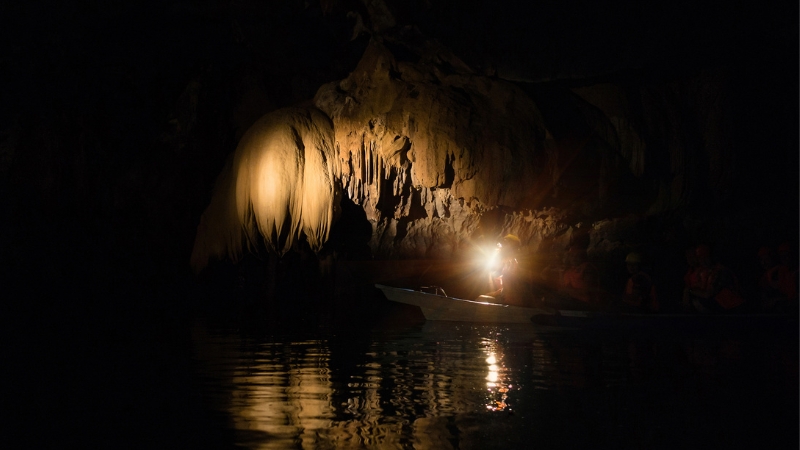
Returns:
<point x="427" y="147"/>
<point x="281" y="185"/>
<point x="441" y="158"/>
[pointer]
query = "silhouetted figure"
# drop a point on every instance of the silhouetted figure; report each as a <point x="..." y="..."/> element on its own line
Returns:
<point x="580" y="281"/>
<point x="778" y="284"/>
<point x="640" y="292"/>
<point x="691" y="280"/>
<point x="718" y="289"/>
<point x="503" y="269"/>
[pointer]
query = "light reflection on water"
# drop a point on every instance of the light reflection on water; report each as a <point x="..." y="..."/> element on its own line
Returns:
<point x="497" y="379"/>
<point x="468" y="386"/>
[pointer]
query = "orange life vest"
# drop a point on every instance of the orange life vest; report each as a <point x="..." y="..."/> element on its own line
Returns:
<point x="581" y="278"/>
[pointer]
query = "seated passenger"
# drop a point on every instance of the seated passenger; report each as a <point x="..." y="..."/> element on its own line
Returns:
<point x="640" y="292"/>
<point x="580" y="281"/>
<point x="691" y="280"/>
<point x="780" y="282"/>
<point x="719" y="289"/>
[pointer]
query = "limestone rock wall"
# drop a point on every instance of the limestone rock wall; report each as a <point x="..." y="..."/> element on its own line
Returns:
<point x="110" y="140"/>
<point x="428" y="147"/>
<point x="440" y="156"/>
<point x="281" y="185"/>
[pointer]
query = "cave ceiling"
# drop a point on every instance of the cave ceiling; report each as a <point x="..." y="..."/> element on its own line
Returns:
<point x="449" y="120"/>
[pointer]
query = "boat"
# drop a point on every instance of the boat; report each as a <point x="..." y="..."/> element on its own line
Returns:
<point x="437" y="306"/>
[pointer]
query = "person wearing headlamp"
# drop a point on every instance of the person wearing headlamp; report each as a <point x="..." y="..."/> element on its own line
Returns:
<point x="503" y="267"/>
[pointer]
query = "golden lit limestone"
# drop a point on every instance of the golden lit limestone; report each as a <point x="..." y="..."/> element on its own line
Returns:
<point x="426" y="147"/>
<point x="281" y="184"/>
<point x="440" y="124"/>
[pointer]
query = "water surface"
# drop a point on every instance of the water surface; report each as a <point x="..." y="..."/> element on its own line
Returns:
<point x="468" y="386"/>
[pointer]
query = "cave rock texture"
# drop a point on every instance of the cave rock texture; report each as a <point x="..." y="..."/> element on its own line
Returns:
<point x="441" y="125"/>
<point x="442" y="157"/>
<point x="281" y="185"/>
<point x="427" y="147"/>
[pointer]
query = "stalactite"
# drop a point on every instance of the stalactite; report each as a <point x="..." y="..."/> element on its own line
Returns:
<point x="281" y="184"/>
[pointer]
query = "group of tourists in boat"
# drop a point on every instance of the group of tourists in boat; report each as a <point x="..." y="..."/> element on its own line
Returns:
<point x="708" y="285"/>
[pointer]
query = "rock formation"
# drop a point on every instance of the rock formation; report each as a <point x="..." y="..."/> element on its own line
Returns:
<point x="427" y="146"/>
<point x="441" y="158"/>
<point x="280" y="186"/>
<point x="612" y="127"/>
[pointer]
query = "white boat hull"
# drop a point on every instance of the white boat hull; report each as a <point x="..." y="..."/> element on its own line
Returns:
<point x="439" y="307"/>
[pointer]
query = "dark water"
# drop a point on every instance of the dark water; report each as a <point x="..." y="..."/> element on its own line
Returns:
<point x="467" y="386"/>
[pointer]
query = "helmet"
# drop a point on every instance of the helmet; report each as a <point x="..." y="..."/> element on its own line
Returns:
<point x="633" y="258"/>
<point x="511" y="239"/>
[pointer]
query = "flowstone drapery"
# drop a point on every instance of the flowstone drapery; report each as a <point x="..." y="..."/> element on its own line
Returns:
<point x="281" y="184"/>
